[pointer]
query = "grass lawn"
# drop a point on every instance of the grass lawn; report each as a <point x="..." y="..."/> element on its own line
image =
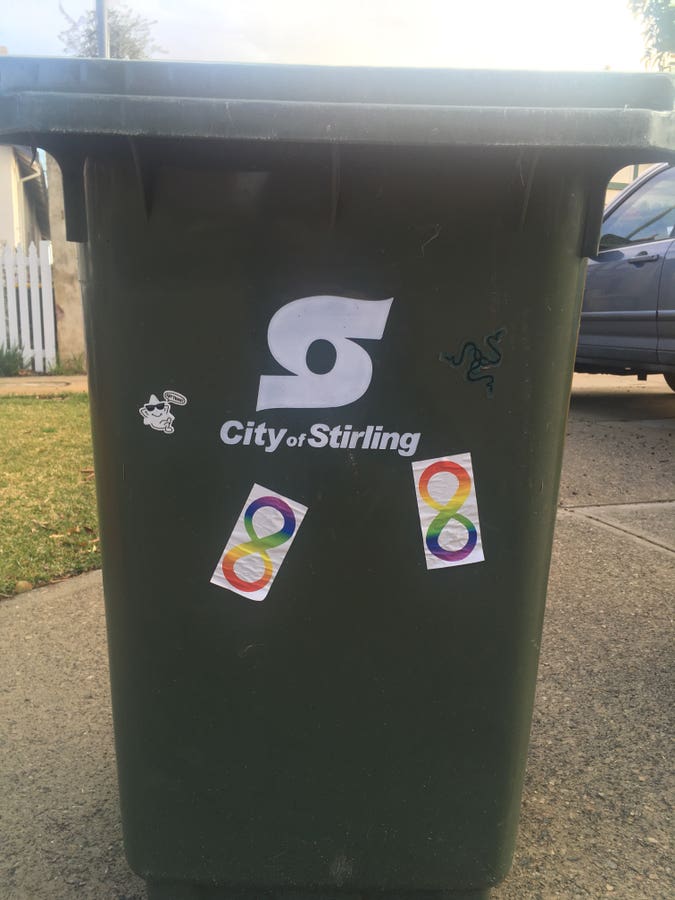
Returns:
<point x="48" y="520"/>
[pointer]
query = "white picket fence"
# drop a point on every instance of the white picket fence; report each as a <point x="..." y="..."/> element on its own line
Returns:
<point x="27" y="316"/>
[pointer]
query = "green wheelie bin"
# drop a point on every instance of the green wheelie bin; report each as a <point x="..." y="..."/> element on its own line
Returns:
<point x="331" y="320"/>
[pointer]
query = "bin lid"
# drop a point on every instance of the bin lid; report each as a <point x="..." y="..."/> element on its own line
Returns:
<point x="444" y="107"/>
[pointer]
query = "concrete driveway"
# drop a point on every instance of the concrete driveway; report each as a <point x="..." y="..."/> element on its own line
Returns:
<point x="596" y="818"/>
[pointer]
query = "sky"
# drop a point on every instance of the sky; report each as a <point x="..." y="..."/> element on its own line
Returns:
<point x="523" y="34"/>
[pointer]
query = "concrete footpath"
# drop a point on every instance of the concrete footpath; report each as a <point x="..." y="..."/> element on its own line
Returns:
<point x="597" y="806"/>
<point x="43" y="385"/>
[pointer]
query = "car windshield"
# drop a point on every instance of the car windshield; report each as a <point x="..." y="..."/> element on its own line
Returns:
<point x="648" y="214"/>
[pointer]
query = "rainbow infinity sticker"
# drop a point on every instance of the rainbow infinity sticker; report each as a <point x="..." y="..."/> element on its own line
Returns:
<point x="258" y="544"/>
<point x="446" y="502"/>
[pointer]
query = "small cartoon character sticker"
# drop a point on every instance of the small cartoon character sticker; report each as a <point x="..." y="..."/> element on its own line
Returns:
<point x="157" y="413"/>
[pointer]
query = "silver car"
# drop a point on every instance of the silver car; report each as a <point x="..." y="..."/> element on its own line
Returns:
<point x="628" y="317"/>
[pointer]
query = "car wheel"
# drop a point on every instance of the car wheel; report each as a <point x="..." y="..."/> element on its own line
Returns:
<point x="670" y="379"/>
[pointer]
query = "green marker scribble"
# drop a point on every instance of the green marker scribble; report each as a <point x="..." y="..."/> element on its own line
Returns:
<point x="478" y="359"/>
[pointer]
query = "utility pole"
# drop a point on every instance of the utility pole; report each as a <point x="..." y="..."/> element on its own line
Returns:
<point x="102" y="35"/>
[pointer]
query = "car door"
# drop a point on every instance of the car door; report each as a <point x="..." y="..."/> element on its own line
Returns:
<point x="619" y="317"/>
<point x="665" y="318"/>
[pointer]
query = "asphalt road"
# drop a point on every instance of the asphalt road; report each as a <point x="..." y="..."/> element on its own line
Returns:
<point x="596" y="819"/>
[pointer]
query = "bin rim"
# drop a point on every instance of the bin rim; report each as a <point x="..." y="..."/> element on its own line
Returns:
<point x="357" y="84"/>
<point x="247" y="101"/>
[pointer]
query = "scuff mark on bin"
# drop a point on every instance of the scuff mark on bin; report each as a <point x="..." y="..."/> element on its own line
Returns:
<point x="335" y="184"/>
<point x="246" y="651"/>
<point x="341" y="869"/>
<point x="438" y="229"/>
<point x="527" y="185"/>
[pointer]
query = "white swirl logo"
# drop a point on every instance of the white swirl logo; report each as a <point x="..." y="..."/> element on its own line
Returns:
<point x="292" y="331"/>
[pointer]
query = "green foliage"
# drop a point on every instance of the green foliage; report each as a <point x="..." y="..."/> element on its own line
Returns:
<point x="658" y="17"/>
<point x="130" y="34"/>
<point x="11" y="361"/>
<point x="70" y="365"/>
<point x="49" y="525"/>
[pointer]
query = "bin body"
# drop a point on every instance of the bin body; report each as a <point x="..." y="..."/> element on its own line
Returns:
<point x="363" y="730"/>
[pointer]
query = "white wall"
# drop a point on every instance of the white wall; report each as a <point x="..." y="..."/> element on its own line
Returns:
<point x="10" y="209"/>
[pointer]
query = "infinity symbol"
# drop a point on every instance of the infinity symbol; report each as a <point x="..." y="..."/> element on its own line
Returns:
<point x="259" y="545"/>
<point x="448" y="510"/>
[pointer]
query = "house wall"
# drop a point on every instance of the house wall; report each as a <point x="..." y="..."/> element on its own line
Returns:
<point x="18" y="224"/>
<point x="10" y="226"/>
<point x="29" y="229"/>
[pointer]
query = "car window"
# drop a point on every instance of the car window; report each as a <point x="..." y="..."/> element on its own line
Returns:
<point x="647" y="215"/>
